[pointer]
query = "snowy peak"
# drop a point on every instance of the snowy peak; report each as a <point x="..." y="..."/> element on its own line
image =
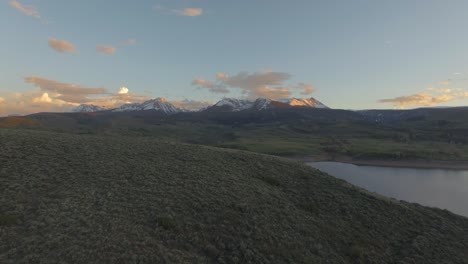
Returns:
<point x="234" y="105"/>
<point x="303" y="102"/>
<point x="158" y="104"/>
<point x="88" y="108"/>
<point x="260" y="104"/>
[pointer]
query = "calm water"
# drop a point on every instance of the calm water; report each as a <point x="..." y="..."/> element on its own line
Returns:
<point x="447" y="189"/>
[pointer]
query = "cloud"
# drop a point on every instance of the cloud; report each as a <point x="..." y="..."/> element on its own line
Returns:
<point x="306" y="88"/>
<point x="129" y="42"/>
<point x="61" y="45"/>
<point x="446" y="82"/>
<point x="211" y="86"/>
<point x="436" y="97"/>
<point x="123" y="90"/>
<point x="67" y="92"/>
<point x="272" y="93"/>
<point x="253" y="85"/>
<point x="203" y="83"/>
<point x="44" y="98"/>
<point x="109" y="50"/>
<point x="221" y="76"/>
<point x="192" y="12"/>
<point x="56" y="96"/>
<point x="27" y="10"/>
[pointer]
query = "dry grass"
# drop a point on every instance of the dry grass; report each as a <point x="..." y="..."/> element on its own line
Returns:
<point x="89" y="199"/>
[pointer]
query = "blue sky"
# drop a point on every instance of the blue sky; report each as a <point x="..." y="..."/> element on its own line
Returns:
<point x="352" y="54"/>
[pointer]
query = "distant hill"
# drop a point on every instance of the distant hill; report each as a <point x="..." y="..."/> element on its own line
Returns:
<point x="332" y="134"/>
<point x="87" y="199"/>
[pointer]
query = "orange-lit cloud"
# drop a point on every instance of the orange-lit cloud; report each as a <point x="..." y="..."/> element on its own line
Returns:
<point x="192" y="12"/>
<point x="27" y="10"/>
<point x="56" y="96"/>
<point x="109" y="50"/>
<point x="432" y="98"/>
<point x="446" y="82"/>
<point x="203" y="83"/>
<point x="272" y="93"/>
<point x="61" y="45"/>
<point x="44" y="98"/>
<point x="210" y="86"/>
<point x="253" y="85"/>
<point x="67" y="92"/>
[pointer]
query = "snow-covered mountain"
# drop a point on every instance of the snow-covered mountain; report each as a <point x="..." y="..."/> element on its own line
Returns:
<point x="224" y="105"/>
<point x="235" y="105"/>
<point x="158" y="104"/>
<point x="303" y="102"/>
<point x="88" y="108"/>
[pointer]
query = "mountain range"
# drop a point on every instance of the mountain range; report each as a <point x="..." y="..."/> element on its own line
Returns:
<point x="224" y="105"/>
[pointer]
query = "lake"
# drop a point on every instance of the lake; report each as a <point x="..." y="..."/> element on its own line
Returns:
<point x="446" y="189"/>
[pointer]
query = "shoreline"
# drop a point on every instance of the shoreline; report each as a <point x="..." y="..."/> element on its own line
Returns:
<point x="410" y="164"/>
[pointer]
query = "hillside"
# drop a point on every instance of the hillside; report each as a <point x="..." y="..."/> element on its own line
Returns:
<point x="92" y="199"/>
<point x="392" y="135"/>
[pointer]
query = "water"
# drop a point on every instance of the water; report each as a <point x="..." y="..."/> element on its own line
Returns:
<point x="446" y="189"/>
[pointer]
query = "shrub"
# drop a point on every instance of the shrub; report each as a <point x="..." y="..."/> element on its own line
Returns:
<point x="167" y="222"/>
<point x="8" y="220"/>
<point x="270" y="180"/>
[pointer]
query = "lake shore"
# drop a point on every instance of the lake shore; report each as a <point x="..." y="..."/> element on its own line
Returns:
<point x="416" y="164"/>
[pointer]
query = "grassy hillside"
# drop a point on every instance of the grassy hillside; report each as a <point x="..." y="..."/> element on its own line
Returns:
<point x="418" y="134"/>
<point x="91" y="199"/>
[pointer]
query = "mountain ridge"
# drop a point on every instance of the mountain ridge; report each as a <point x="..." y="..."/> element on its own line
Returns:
<point x="225" y="104"/>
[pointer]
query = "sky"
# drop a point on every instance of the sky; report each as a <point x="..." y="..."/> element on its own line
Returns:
<point x="358" y="54"/>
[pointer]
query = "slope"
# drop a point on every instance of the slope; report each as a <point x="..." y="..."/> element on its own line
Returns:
<point x="90" y="199"/>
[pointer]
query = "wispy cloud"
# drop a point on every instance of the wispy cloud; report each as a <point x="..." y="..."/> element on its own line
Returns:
<point x="192" y="12"/>
<point x="305" y="88"/>
<point x="189" y="11"/>
<point x="218" y="88"/>
<point x="25" y="9"/>
<point x="253" y="85"/>
<point x="446" y="82"/>
<point x="61" y="46"/>
<point x="69" y="93"/>
<point x="129" y="41"/>
<point x="432" y="97"/>
<point x="109" y="50"/>
<point x="2" y="100"/>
